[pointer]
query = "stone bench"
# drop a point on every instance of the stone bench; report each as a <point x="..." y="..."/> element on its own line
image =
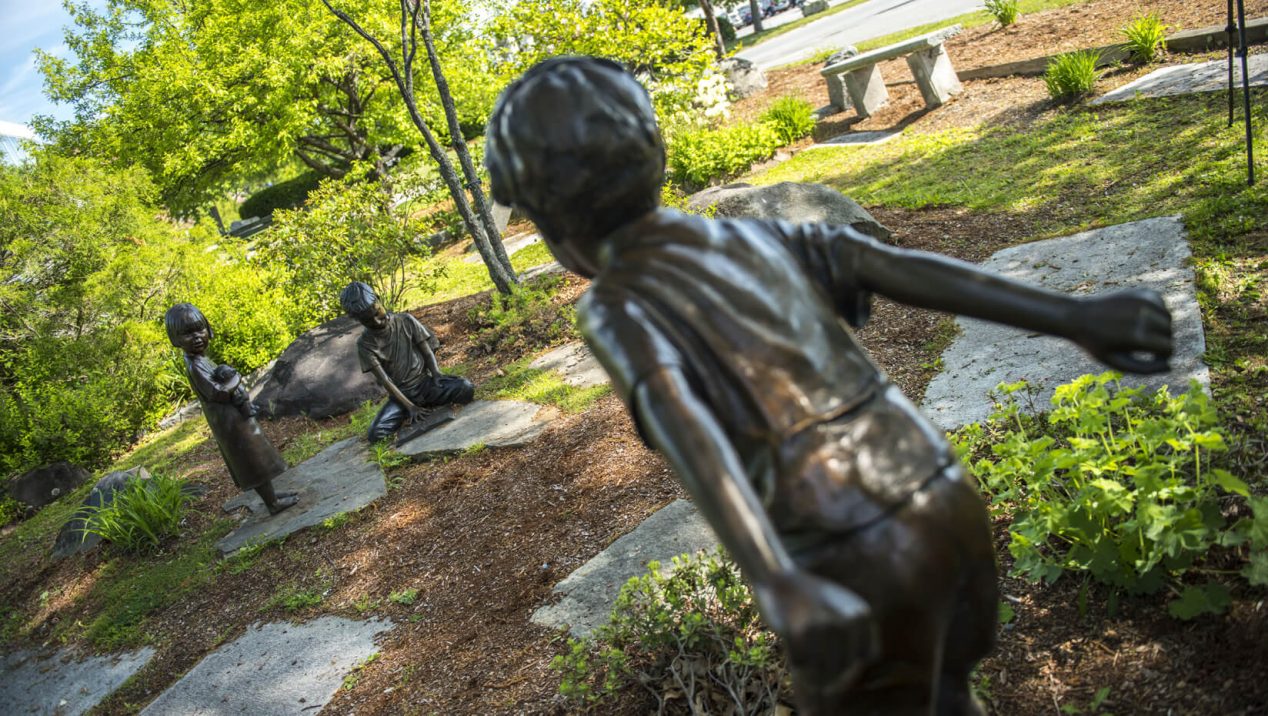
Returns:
<point x="857" y="81"/>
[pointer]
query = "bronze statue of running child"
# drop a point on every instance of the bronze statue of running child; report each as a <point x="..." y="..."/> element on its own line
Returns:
<point x="867" y="546"/>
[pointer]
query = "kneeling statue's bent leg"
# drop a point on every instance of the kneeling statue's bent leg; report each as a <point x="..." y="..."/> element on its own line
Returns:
<point x="390" y="418"/>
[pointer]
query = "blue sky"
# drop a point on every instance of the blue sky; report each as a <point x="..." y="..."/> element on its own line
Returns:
<point x="28" y="24"/>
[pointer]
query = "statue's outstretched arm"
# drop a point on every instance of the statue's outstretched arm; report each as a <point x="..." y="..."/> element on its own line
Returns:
<point x="1127" y="330"/>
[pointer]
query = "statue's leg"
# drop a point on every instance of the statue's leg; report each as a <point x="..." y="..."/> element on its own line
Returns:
<point x="973" y="624"/>
<point x="446" y="390"/>
<point x="389" y="419"/>
<point x="915" y="569"/>
<point x="273" y="501"/>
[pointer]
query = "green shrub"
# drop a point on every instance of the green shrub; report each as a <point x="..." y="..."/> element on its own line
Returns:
<point x="142" y="515"/>
<point x="10" y="510"/>
<point x="691" y="632"/>
<point x="792" y="117"/>
<point x="1004" y="11"/>
<point x="1115" y="483"/>
<point x="1146" y="38"/>
<point x="523" y="319"/>
<point x="287" y="194"/>
<point x="350" y="230"/>
<point x="1072" y="75"/>
<point x="726" y="28"/>
<point x="697" y="157"/>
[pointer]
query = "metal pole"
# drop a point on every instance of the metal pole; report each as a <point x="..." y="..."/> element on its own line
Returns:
<point x="1230" y="28"/>
<point x="1250" y="134"/>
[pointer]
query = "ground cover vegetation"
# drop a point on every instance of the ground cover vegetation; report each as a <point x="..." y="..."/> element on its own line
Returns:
<point x="500" y="527"/>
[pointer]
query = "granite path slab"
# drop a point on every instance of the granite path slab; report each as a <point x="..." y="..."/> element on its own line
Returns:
<point x="586" y="597"/>
<point x="574" y="363"/>
<point x="491" y="423"/>
<point x="279" y="669"/>
<point x="339" y="479"/>
<point x="63" y="684"/>
<point x="856" y="138"/>
<point x="1187" y="79"/>
<point x="1153" y="253"/>
<point x="512" y="245"/>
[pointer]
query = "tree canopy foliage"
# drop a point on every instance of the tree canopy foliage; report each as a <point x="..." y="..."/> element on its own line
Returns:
<point x="205" y="94"/>
<point x="668" y="50"/>
<point x="88" y="265"/>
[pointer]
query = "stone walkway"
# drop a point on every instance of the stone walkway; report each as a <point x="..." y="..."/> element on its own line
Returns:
<point x="488" y="423"/>
<point x="586" y="596"/>
<point x="278" y="669"/>
<point x="575" y="363"/>
<point x="1153" y="253"/>
<point x="339" y="479"/>
<point x="62" y="684"/>
<point x="856" y="138"/>
<point x="1187" y="79"/>
<point x="512" y="245"/>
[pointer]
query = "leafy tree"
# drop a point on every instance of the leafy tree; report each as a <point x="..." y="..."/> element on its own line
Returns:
<point x="348" y="231"/>
<point x="654" y="39"/>
<point x="87" y="268"/>
<point x="207" y="94"/>
<point x="415" y="23"/>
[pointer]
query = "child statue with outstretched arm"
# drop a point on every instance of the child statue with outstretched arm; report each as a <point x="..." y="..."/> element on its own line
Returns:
<point x="867" y="547"/>
<point x="252" y="460"/>
<point x="397" y="350"/>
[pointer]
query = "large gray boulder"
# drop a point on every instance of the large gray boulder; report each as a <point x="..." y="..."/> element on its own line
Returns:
<point x="42" y="485"/>
<point x="789" y="201"/>
<point x="318" y="375"/>
<point x="743" y="77"/>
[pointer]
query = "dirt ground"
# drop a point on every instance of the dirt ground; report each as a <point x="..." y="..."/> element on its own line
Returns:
<point x="484" y="537"/>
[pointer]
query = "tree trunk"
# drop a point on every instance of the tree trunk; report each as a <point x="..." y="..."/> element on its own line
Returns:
<point x="482" y="208"/>
<point x="500" y="272"/>
<point x="711" y="20"/>
<point x="756" y="10"/>
<point x="719" y="44"/>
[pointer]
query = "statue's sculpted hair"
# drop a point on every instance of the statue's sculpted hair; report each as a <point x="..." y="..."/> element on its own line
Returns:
<point x="574" y="143"/>
<point x="357" y="298"/>
<point x="182" y="317"/>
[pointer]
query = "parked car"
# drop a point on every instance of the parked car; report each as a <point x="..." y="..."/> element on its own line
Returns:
<point x="742" y="16"/>
<point x="781" y="5"/>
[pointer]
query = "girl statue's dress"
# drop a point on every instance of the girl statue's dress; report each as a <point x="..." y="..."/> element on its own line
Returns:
<point x="251" y="458"/>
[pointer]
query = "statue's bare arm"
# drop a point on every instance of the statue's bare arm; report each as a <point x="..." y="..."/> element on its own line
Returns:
<point x="1127" y="330"/>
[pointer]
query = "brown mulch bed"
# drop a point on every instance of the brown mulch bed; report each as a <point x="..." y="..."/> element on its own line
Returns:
<point x="484" y="537"/>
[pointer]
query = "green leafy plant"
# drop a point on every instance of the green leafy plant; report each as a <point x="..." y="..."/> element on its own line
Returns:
<point x="10" y="510"/>
<point x="669" y="629"/>
<point x="792" y="118"/>
<point x="405" y="597"/>
<point x="1072" y="75"/>
<point x="524" y="319"/>
<point x="696" y="157"/>
<point x="142" y="515"/>
<point x="1146" y="38"/>
<point x="1004" y="11"/>
<point x="386" y="457"/>
<point x="293" y="599"/>
<point x="1115" y="483"/>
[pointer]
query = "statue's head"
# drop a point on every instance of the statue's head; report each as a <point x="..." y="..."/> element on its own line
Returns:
<point x="574" y="144"/>
<point x="362" y="303"/>
<point x="187" y="328"/>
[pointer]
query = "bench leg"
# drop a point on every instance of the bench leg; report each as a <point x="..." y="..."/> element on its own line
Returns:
<point x="867" y="90"/>
<point x="934" y="75"/>
<point x="837" y="95"/>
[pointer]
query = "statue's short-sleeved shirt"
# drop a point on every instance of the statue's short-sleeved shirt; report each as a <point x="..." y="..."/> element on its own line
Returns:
<point x="755" y="315"/>
<point x="395" y="348"/>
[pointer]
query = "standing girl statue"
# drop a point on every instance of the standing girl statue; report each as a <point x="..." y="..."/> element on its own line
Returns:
<point x="252" y="460"/>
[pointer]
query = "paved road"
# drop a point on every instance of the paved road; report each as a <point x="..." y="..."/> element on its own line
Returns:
<point x="871" y="19"/>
